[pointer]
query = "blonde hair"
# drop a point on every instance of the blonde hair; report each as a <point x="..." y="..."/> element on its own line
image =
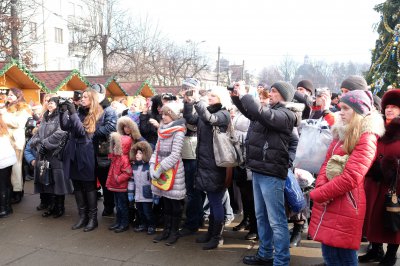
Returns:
<point x="353" y="132"/>
<point x="95" y="111"/>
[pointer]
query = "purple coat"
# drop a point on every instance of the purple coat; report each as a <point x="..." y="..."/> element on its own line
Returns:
<point x="78" y="156"/>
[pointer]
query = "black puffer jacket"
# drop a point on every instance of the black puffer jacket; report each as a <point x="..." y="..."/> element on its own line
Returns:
<point x="209" y="176"/>
<point x="268" y="136"/>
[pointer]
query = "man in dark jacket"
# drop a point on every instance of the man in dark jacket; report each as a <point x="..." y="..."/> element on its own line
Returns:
<point x="106" y="124"/>
<point x="268" y="158"/>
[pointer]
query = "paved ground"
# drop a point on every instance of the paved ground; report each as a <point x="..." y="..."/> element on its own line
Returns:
<point x="26" y="238"/>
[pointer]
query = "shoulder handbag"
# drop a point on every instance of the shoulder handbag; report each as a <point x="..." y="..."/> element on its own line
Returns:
<point x="44" y="173"/>
<point x="226" y="146"/>
<point x="391" y="219"/>
<point x="167" y="179"/>
<point x="313" y="145"/>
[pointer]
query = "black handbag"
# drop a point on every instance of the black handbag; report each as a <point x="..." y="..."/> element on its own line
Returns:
<point x="391" y="219"/>
<point x="44" y="176"/>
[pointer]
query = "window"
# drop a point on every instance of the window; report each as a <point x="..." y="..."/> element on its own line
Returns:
<point x="58" y="35"/>
<point x="33" y="30"/>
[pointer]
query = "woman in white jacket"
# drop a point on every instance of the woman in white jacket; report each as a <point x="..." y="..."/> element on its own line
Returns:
<point x="7" y="160"/>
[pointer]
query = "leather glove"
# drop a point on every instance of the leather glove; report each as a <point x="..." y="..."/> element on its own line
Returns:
<point x="42" y="150"/>
<point x="71" y="108"/>
<point x="131" y="196"/>
<point x="156" y="199"/>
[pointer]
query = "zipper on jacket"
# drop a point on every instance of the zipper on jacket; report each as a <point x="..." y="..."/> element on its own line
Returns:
<point x="320" y="222"/>
<point x="352" y="200"/>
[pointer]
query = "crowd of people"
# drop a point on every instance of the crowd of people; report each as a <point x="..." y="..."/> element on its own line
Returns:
<point x="155" y="160"/>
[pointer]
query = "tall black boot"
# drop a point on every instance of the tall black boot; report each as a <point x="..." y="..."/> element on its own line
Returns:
<point x="60" y="208"/>
<point x="376" y="253"/>
<point x="216" y="239"/>
<point x="174" y="234"/>
<point x="295" y="239"/>
<point x="52" y="206"/>
<point x="3" y="203"/>
<point x="80" y="199"/>
<point x="390" y="256"/>
<point x="44" y="202"/>
<point x="205" y="238"/>
<point x="92" y="204"/>
<point x="166" y="231"/>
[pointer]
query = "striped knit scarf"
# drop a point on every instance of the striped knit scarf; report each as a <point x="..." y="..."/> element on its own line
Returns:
<point x="168" y="132"/>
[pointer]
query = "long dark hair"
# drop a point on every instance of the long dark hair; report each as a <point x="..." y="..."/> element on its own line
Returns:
<point x="155" y="103"/>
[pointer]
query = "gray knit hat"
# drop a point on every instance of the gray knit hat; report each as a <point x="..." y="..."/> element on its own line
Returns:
<point x="306" y="84"/>
<point x="285" y="89"/>
<point x="354" y="83"/>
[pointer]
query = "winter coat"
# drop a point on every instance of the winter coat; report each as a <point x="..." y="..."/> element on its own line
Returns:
<point x="15" y="117"/>
<point x="78" y="155"/>
<point x="120" y="169"/>
<point x="50" y="135"/>
<point x="377" y="184"/>
<point x="104" y="127"/>
<point x="7" y="154"/>
<point x="268" y="137"/>
<point x="168" y="150"/>
<point x="209" y="176"/>
<point x="140" y="183"/>
<point x="339" y="223"/>
<point x="190" y="142"/>
<point x="29" y="153"/>
<point x="148" y="131"/>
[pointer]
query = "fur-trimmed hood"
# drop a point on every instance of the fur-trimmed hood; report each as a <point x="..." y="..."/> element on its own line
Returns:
<point x="146" y="149"/>
<point x="126" y="121"/>
<point x="372" y="123"/>
<point x="297" y="109"/>
<point x="120" y="144"/>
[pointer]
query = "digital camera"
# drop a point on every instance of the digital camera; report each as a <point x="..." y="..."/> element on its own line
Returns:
<point x="63" y="100"/>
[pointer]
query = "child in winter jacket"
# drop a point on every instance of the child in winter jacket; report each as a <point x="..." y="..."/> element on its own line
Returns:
<point x="139" y="186"/>
<point x="167" y="158"/>
<point x="118" y="176"/>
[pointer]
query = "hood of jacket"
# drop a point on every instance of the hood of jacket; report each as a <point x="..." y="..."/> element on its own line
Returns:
<point x="372" y="123"/>
<point x="146" y="149"/>
<point x="128" y="122"/>
<point x="120" y="144"/>
<point x="297" y="109"/>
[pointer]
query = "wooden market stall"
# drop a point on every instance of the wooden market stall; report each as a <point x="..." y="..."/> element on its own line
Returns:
<point x="13" y="74"/>
<point x="63" y="82"/>
<point x="137" y="88"/>
<point x="113" y="89"/>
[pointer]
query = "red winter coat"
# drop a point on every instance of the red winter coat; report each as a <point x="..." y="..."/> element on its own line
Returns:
<point x="120" y="169"/>
<point x="339" y="223"/>
<point x="377" y="183"/>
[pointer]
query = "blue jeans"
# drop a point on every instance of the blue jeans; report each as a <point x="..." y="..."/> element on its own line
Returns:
<point x="194" y="207"/>
<point x="269" y="201"/>
<point x="339" y="256"/>
<point x="216" y="206"/>
<point x="145" y="210"/>
<point x="121" y="203"/>
<point x="229" y="215"/>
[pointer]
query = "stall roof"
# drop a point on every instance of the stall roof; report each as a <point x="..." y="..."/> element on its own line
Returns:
<point x="56" y="80"/>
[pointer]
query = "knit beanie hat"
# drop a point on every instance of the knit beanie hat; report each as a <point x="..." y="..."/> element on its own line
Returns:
<point x="359" y="100"/>
<point x="377" y="102"/>
<point x="191" y="83"/>
<point x="391" y="97"/>
<point x="285" y="89"/>
<point x="99" y="88"/>
<point x="354" y="83"/>
<point x="172" y="109"/>
<point x="306" y="84"/>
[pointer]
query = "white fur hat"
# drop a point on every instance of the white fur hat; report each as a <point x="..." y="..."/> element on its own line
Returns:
<point x="173" y="109"/>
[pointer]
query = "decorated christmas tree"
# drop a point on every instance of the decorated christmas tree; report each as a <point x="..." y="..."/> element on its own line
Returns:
<point x="385" y="62"/>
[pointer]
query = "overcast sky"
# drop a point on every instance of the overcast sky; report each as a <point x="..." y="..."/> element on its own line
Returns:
<point x="261" y="32"/>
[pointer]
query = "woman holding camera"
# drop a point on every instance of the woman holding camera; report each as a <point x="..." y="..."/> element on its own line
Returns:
<point x="78" y="154"/>
<point x="209" y="178"/>
<point x="48" y="143"/>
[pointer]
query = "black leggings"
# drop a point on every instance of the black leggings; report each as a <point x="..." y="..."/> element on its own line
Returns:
<point x="5" y="178"/>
